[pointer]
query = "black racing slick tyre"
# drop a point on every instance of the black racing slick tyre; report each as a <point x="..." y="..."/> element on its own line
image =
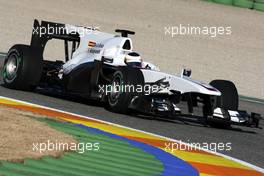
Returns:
<point x="229" y="98"/>
<point x="122" y="91"/>
<point x="22" y="68"/>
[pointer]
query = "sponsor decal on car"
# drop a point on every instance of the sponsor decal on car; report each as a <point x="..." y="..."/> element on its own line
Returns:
<point x="91" y="44"/>
<point x="94" y="48"/>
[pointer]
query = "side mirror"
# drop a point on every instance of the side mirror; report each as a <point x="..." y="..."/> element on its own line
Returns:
<point x="186" y="72"/>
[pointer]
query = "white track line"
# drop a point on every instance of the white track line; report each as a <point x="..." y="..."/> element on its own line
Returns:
<point x="156" y="135"/>
<point x="252" y="101"/>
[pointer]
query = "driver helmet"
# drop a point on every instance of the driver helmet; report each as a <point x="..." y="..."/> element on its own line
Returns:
<point x="133" y="59"/>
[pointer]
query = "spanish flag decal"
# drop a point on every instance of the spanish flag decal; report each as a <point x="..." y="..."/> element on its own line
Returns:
<point x="91" y="44"/>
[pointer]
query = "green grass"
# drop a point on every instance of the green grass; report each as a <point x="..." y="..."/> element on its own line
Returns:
<point x="250" y="4"/>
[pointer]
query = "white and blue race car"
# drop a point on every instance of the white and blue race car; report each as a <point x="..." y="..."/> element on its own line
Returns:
<point x="104" y="67"/>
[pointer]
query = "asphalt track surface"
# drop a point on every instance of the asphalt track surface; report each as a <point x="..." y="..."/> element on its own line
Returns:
<point x="247" y="143"/>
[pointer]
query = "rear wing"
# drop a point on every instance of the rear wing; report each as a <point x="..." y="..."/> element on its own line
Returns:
<point x="45" y="31"/>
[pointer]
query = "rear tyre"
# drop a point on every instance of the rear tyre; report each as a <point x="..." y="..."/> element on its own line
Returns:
<point x="120" y="95"/>
<point x="22" y="68"/>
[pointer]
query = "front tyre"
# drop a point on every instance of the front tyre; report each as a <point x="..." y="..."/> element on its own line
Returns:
<point x="22" y="68"/>
<point x="227" y="101"/>
<point x="124" y="83"/>
<point x="229" y="95"/>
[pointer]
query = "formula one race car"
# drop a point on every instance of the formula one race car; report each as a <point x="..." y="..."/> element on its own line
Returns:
<point x="104" y="67"/>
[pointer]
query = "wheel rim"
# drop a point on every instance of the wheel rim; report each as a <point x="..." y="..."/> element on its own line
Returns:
<point x="11" y="67"/>
<point x="115" y="90"/>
